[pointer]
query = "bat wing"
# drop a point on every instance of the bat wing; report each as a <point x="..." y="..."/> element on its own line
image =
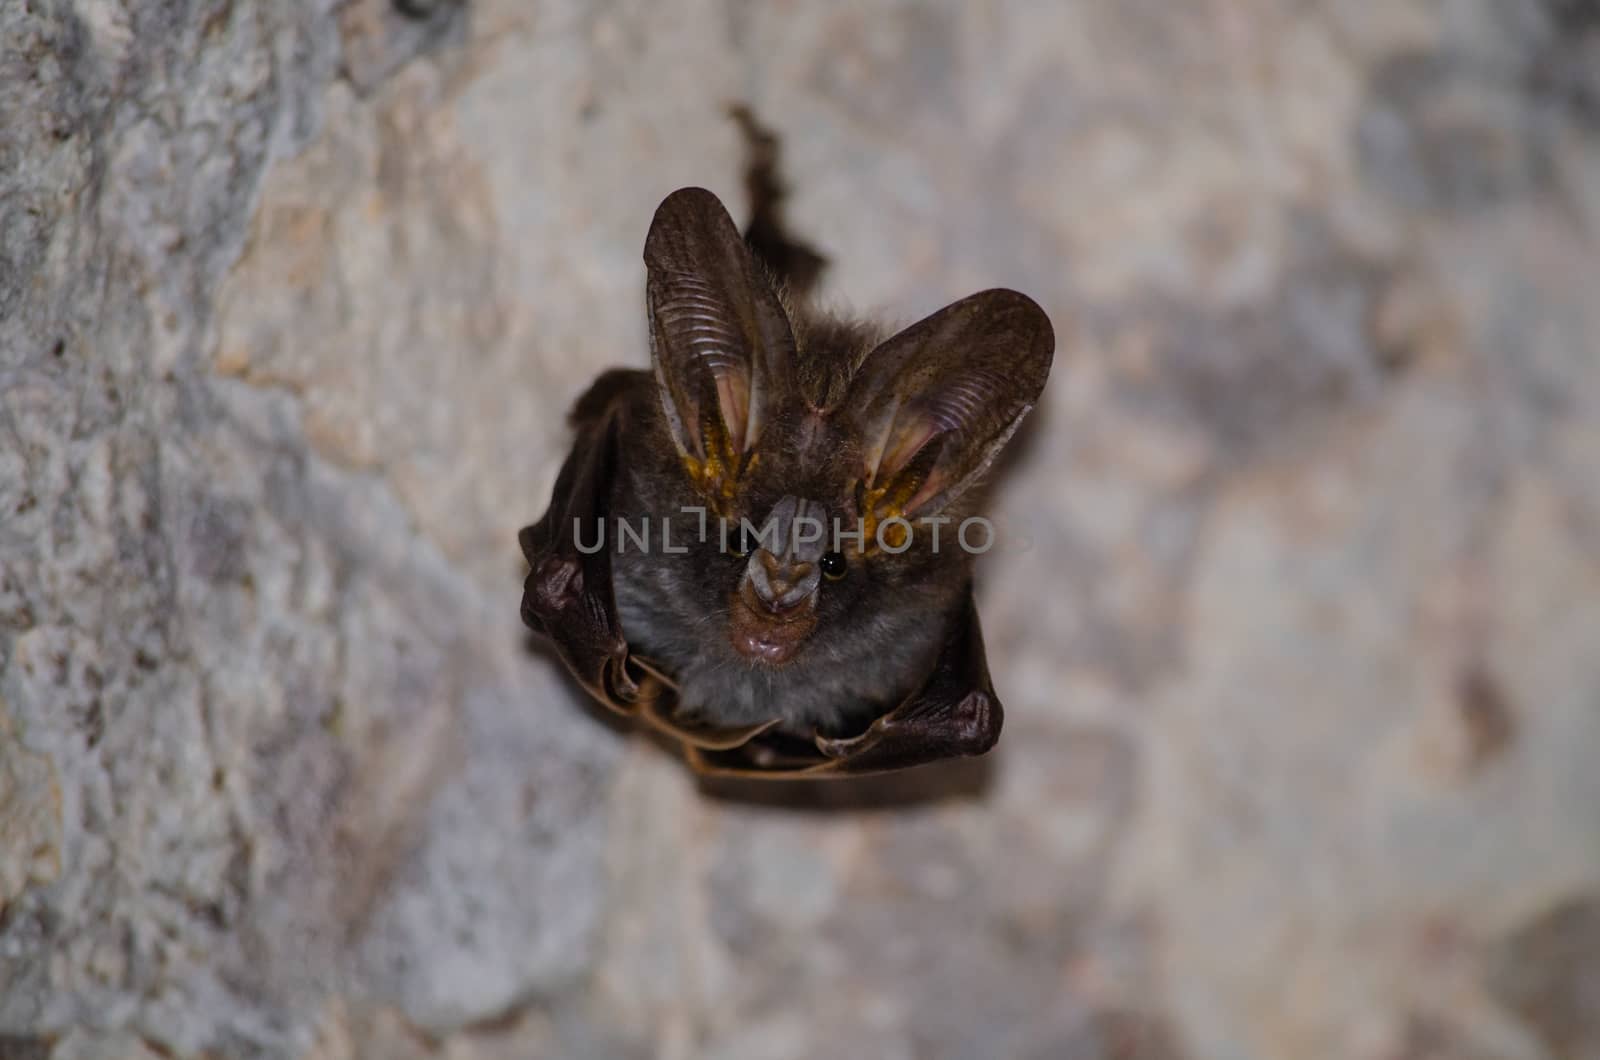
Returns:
<point x="568" y="595"/>
<point x="955" y="713"/>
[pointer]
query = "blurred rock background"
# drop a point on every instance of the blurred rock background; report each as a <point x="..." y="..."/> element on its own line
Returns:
<point x="1301" y="662"/>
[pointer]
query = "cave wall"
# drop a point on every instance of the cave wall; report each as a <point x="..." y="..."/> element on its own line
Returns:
<point x="1298" y="639"/>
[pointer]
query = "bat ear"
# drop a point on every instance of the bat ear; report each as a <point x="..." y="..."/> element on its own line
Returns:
<point x="936" y="403"/>
<point x="720" y="340"/>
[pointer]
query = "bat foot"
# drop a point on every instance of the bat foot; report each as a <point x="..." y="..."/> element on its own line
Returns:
<point x="974" y="726"/>
<point x="968" y="727"/>
<point x="555" y="584"/>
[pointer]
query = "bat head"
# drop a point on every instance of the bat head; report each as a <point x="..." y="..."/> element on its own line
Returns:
<point x="836" y="465"/>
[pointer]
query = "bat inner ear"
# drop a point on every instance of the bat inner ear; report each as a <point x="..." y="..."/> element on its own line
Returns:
<point x="924" y="476"/>
<point x="717" y="471"/>
<point x="733" y="400"/>
<point x="728" y="427"/>
<point x="903" y="493"/>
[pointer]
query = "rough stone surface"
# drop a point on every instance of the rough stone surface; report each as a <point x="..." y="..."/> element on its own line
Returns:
<point x="1297" y="622"/>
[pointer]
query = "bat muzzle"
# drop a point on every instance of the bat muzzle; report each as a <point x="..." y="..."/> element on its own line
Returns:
<point x="775" y="608"/>
<point x="766" y="634"/>
<point x="780" y="585"/>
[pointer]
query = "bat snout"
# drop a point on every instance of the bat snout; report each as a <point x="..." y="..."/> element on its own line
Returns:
<point x="774" y="610"/>
<point x="768" y="634"/>
<point x="779" y="586"/>
<point x="762" y="648"/>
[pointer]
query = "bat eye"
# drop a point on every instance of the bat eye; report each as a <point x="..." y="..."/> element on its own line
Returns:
<point x="743" y="542"/>
<point x="834" y="565"/>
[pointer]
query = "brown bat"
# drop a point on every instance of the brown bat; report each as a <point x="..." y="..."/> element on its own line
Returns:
<point x="763" y="547"/>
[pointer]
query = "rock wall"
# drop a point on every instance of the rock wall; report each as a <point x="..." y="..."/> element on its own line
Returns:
<point x="1301" y="660"/>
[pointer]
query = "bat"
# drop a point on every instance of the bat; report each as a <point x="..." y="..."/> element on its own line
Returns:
<point x="763" y="545"/>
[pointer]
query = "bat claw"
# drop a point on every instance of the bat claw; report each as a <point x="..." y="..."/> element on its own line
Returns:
<point x="557" y="582"/>
<point x="845" y="746"/>
<point x="619" y="684"/>
<point x="654" y="669"/>
<point x="974" y="729"/>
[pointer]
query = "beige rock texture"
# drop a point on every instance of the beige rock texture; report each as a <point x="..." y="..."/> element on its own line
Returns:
<point x="1297" y="623"/>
